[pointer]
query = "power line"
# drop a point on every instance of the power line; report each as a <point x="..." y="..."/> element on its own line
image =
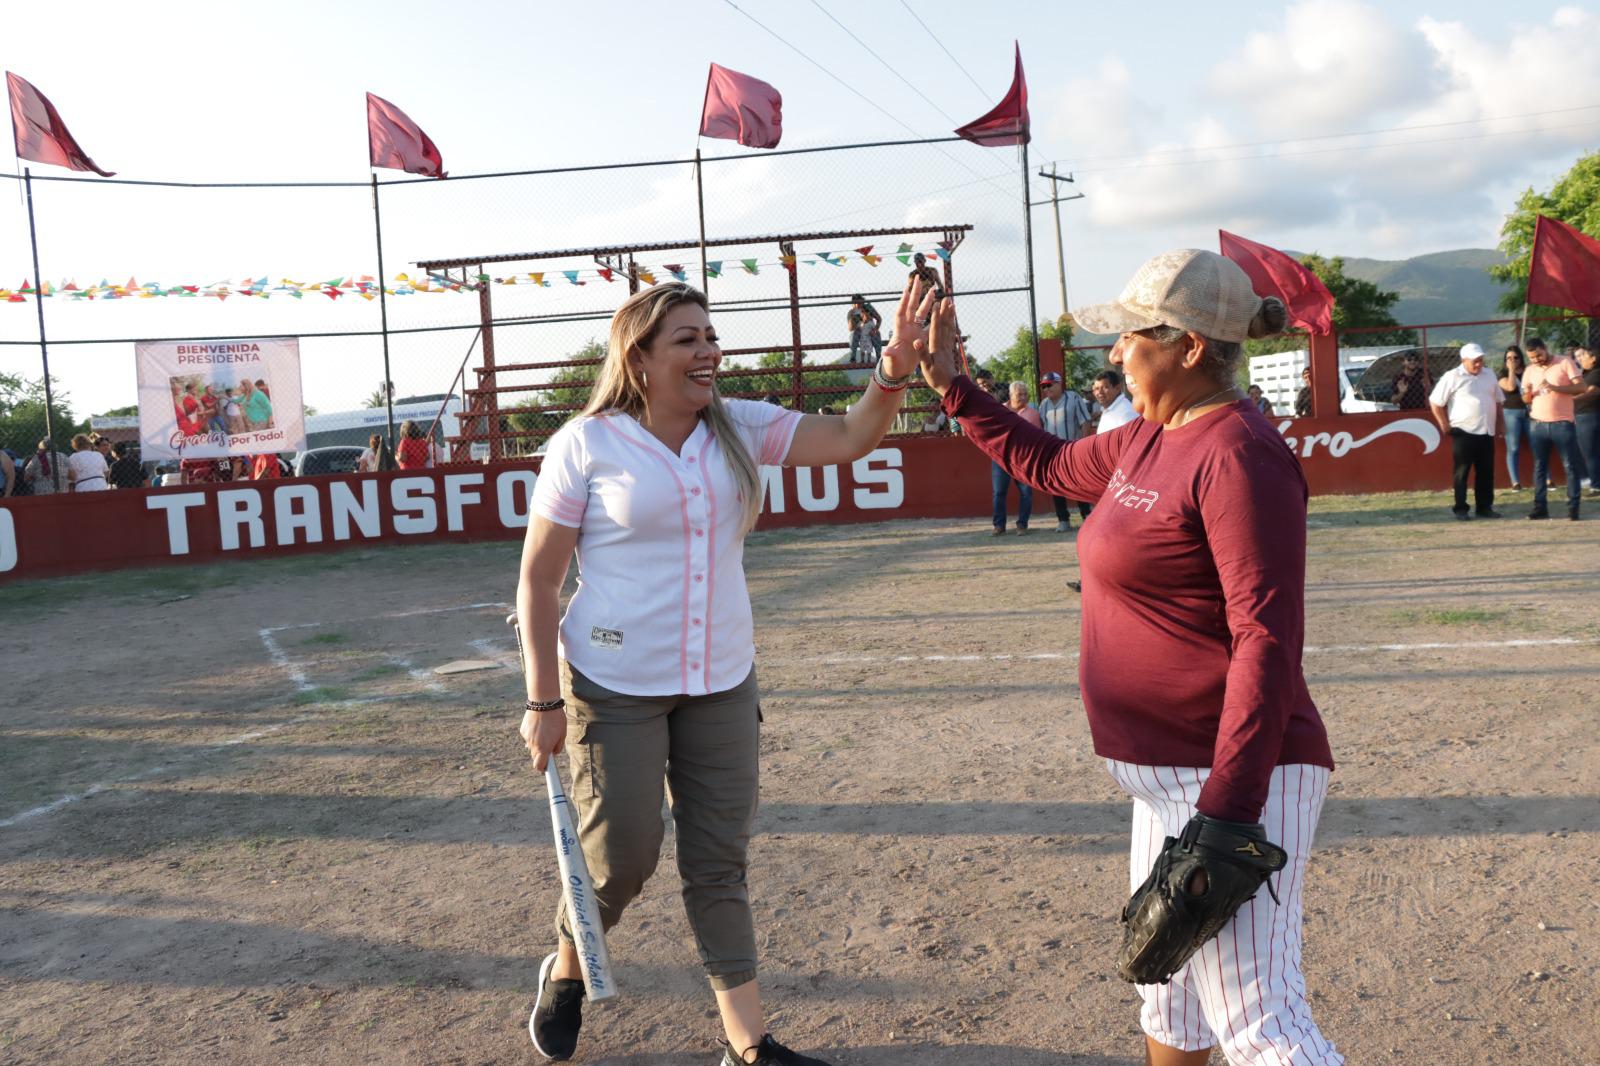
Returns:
<point x="912" y="12"/>
<point x="858" y="93"/>
<point x="884" y="62"/>
<point x="1327" y="136"/>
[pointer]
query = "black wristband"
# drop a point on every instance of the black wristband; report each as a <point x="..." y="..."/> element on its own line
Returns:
<point x="540" y="706"/>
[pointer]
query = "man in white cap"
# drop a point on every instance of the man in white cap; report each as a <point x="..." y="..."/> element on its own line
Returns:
<point x="1464" y="403"/>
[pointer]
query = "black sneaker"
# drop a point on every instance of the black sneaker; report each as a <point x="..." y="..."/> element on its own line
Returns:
<point x="1538" y="514"/>
<point x="1462" y="516"/>
<point x="557" y="1014"/>
<point x="1491" y="513"/>
<point x="768" y="1053"/>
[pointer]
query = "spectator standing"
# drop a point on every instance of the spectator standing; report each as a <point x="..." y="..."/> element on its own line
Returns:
<point x="1548" y="386"/>
<point x="864" y="323"/>
<point x="1586" y="417"/>
<point x="126" y="471"/>
<point x="367" y="461"/>
<point x="10" y="475"/>
<point x="86" y="467"/>
<point x="1515" y="411"/>
<point x="930" y="280"/>
<point x="1302" y="399"/>
<point x="103" y="446"/>
<point x="46" y="473"/>
<point x="1410" y="387"/>
<point x="1065" y="416"/>
<point x="1000" y="480"/>
<point x="1263" y="404"/>
<point x="211" y="410"/>
<point x="413" y="452"/>
<point x="1116" y="408"/>
<point x="1465" y="403"/>
<point x="264" y="466"/>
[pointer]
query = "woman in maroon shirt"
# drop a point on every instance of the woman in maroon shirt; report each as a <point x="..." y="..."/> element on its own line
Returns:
<point x="1193" y="625"/>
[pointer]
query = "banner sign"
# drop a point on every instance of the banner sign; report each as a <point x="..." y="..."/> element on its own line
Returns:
<point x="920" y="477"/>
<point x="210" y="399"/>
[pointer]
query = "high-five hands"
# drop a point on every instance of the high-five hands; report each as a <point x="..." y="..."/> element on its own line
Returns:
<point x="939" y="362"/>
<point x="910" y="338"/>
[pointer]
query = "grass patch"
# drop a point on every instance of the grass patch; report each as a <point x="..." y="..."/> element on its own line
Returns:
<point x="382" y="670"/>
<point x="1451" y="616"/>
<point x="334" y="637"/>
<point x="320" y="694"/>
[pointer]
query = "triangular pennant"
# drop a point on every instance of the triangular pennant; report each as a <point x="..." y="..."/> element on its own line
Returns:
<point x="864" y="252"/>
<point x="572" y="276"/>
<point x="942" y="253"/>
<point x="872" y="260"/>
<point x="538" y="278"/>
<point x="647" y="277"/>
<point x="714" y="269"/>
<point x="749" y="266"/>
<point x="604" y="272"/>
<point x="676" y="270"/>
<point x="903" y="253"/>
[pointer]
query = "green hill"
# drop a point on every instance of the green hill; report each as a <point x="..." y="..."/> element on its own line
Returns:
<point x="1438" y="287"/>
<point x="1442" y="287"/>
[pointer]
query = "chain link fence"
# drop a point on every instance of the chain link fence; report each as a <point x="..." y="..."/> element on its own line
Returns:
<point x="495" y="352"/>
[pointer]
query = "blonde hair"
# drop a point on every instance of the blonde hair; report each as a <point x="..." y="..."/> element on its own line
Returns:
<point x="80" y="442"/>
<point x="619" y="386"/>
<point x="409" y="429"/>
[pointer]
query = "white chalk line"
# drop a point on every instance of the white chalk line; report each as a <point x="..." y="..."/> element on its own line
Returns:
<point x="295" y="671"/>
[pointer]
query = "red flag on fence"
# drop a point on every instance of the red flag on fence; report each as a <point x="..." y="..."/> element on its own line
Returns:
<point x="741" y="108"/>
<point x="1008" y="122"/>
<point x="40" y="134"/>
<point x="396" y="143"/>
<point x="1274" y="273"/>
<point x="1565" y="268"/>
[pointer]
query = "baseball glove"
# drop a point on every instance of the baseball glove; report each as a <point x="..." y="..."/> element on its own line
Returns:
<point x="1164" y="923"/>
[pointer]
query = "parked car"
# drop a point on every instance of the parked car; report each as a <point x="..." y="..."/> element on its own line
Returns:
<point x="1366" y="375"/>
<point x="335" y="459"/>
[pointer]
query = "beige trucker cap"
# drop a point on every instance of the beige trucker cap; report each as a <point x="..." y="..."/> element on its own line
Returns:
<point x="1188" y="288"/>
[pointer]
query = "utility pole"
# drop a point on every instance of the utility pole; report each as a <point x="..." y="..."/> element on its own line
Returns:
<point x="1055" y="203"/>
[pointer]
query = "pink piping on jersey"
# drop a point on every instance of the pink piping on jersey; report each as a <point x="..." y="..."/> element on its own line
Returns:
<point x="683" y="511"/>
<point x="566" y="509"/>
<point x="772" y="440"/>
<point x="711" y="551"/>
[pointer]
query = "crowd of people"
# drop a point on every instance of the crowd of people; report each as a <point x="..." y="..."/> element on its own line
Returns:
<point x="200" y="411"/>
<point x="1066" y="415"/>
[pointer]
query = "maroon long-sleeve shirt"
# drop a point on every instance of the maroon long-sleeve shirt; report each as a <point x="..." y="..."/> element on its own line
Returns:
<point x="1193" y="589"/>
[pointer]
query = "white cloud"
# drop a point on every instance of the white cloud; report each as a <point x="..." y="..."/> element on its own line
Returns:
<point x="1100" y="114"/>
<point x="1487" y="110"/>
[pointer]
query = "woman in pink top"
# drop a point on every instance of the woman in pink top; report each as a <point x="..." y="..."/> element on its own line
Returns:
<point x="1193" y="624"/>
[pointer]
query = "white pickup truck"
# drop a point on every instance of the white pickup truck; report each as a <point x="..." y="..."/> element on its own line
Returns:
<point x="1366" y="375"/>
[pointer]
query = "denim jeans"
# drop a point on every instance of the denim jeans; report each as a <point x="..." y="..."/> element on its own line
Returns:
<point x="1516" y="437"/>
<point x="1588" y="426"/>
<point x="1000" y="482"/>
<point x="1563" y="438"/>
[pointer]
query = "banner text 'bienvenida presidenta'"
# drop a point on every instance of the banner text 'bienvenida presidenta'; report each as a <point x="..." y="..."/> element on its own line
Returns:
<point x="209" y="399"/>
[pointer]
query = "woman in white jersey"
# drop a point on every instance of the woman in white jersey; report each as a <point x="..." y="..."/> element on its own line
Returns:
<point x="654" y="486"/>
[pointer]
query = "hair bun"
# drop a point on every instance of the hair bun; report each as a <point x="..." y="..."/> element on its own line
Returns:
<point x="1271" y="318"/>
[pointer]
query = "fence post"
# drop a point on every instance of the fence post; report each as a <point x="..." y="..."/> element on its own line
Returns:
<point x="44" y="348"/>
<point x="787" y="248"/>
<point x="492" y="398"/>
<point x="1324" y="375"/>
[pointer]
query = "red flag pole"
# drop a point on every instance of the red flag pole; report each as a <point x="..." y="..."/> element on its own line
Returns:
<point x="44" y="348"/>
<point x="700" y="192"/>
<point x="1027" y="239"/>
<point x="383" y="312"/>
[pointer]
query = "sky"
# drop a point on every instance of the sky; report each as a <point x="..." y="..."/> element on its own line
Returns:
<point x="1322" y="125"/>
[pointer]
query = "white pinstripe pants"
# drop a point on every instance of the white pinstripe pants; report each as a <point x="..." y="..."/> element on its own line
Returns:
<point x="1243" y="990"/>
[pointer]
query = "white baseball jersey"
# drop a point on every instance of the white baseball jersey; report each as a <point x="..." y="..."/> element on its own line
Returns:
<point x="1243" y="990"/>
<point x="661" y="607"/>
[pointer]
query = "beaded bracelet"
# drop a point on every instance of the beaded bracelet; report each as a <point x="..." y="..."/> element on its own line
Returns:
<point x="888" y="384"/>
<point x="540" y="706"/>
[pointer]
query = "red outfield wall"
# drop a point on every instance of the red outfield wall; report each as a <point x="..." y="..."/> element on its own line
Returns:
<point x="925" y="477"/>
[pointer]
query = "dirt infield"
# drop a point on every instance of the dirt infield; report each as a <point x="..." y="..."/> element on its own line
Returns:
<point x="241" y="820"/>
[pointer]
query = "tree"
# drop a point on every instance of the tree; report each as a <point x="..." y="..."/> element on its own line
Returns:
<point x="1357" y="304"/>
<point x="121" y="412"/>
<point x="1573" y="199"/>
<point x="1015" y="362"/>
<point x="781" y="381"/>
<point x="22" y="421"/>
<point x="380" y="395"/>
